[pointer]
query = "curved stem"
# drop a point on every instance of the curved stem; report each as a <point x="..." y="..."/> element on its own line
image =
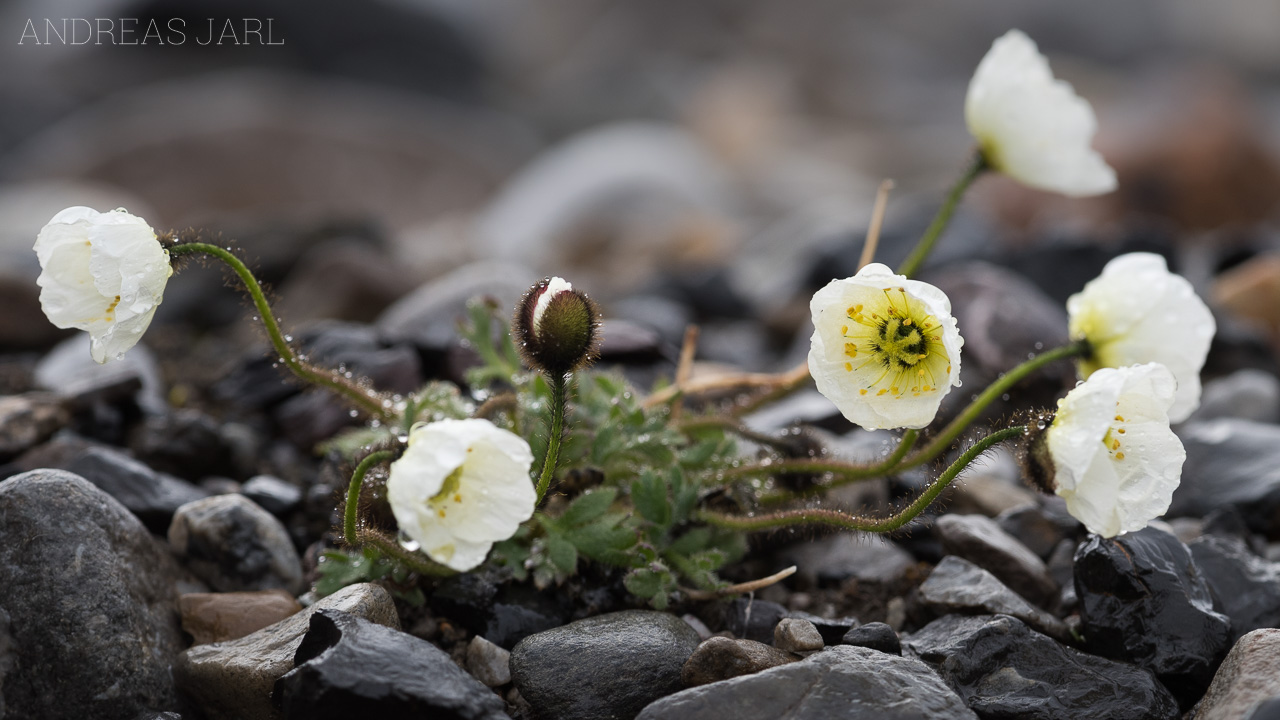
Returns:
<point x="353" y="491"/>
<point x="847" y="472"/>
<point x="503" y="402"/>
<point x="924" y="246"/>
<point x="559" y="398"/>
<point x="411" y="560"/>
<point x="735" y="426"/>
<point x="363" y="399"/>
<point x="847" y="521"/>
<point x="948" y="435"/>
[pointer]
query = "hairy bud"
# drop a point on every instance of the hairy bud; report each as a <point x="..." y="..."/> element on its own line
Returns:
<point x="1032" y="452"/>
<point x="557" y="327"/>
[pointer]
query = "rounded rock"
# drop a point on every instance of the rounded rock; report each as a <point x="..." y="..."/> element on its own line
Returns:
<point x="608" y="666"/>
<point x="233" y="544"/>
<point x="88" y="625"/>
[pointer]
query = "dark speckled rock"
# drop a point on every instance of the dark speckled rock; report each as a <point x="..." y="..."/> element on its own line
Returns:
<point x="1005" y="670"/>
<point x="839" y="682"/>
<point x="607" y="667"/>
<point x="88" y="621"/>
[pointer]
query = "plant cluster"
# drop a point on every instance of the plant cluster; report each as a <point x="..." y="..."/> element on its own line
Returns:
<point x="540" y="464"/>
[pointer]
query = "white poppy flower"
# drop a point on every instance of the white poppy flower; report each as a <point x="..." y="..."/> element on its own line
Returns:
<point x="1032" y="127"/>
<point x="103" y="273"/>
<point x="1115" y="460"/>
<point x="1137" y="311"/>
<point x="461" y="486"/>
<point x="885" y="349"/>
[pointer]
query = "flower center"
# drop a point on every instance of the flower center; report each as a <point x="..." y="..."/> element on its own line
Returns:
<point x="893" y="346"/>
<point x="448" y="491"/>
<point x="1112" y="440"/>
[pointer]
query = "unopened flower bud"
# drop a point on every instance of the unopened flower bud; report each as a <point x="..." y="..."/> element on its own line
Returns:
<point x="556" y="327"/>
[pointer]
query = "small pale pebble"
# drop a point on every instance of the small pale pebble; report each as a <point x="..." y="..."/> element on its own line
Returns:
<point x="797" y="636"/>
<point x="488" y="663"/>
<point x="700" y="627"/>
<point x="895" y="614"/>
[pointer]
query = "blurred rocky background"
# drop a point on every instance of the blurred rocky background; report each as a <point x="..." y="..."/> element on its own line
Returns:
<point x="710" y="162"/>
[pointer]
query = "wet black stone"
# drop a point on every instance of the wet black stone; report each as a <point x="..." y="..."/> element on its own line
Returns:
<point x="1143" y="600"/>
<point x="1266" y="710"/>
<point x="1031" y="526"/>
<point x="152" y="496"/>
<point x="391" y="366"/>
<point x="747" y="618"/>
<point x="958" y="586"/>
<point x="1231" y="462"/>
<point x="1005" y="670"/>
<point x="876" y="635"/>
<point x="832" y="630"/>
<point x="275" y="495"/>
<point x="608" y="666"/>
<point x="1246" y="588"/>
<point x="186" y="443"/>
<point x="348" y="667"/>
<point x="980" y="540"/>
<point x="1060" y="269"/>
<point x="502" y="613"/>
<point x="1228" y="522"/>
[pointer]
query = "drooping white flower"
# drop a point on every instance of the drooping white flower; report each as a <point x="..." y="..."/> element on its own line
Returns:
<point x="1032" y="127"/>
<point x="461" y="486"/>
<point x="103" y="273"/>
<point x="1137" y="311"/>
<point x="885" y="349"/>
<point x="1115" y="460"/>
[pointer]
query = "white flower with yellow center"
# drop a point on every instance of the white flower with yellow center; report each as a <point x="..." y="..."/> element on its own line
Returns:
<point x="1115" y="460"/>
<point x="103" y="273"/>
<point x="461" y="486"/>
<point x="1137" y="311"/>
<point x="885" y="349"/>
<point x="1032" y="127"/>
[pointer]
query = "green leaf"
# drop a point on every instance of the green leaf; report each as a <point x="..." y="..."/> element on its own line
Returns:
<point x="562" y="554"/>
<point x="588" y="507"/>
<point x="700" y="453"/>
<point x="604" y="539"/>
<point x="486" y="332"/>
<point x="654" y="583"/>
<point x="512" y="554"/>
<point x="643" y="583"/>
<point x="693" y="541"/>
<point x="649" y="495"/>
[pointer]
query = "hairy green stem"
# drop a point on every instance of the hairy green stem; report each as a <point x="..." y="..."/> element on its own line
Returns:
<point x="845" y="472"/>
<point x="924" y="246"/>
<point x="735" y="426"/>
<point x="353" y="491"/>
<point x="559" y="399"/>
<point x="364" y="400"/>
<point x="846" y="521"/>
<point x="408" y="558"/>
<point x="943" y="440"/>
